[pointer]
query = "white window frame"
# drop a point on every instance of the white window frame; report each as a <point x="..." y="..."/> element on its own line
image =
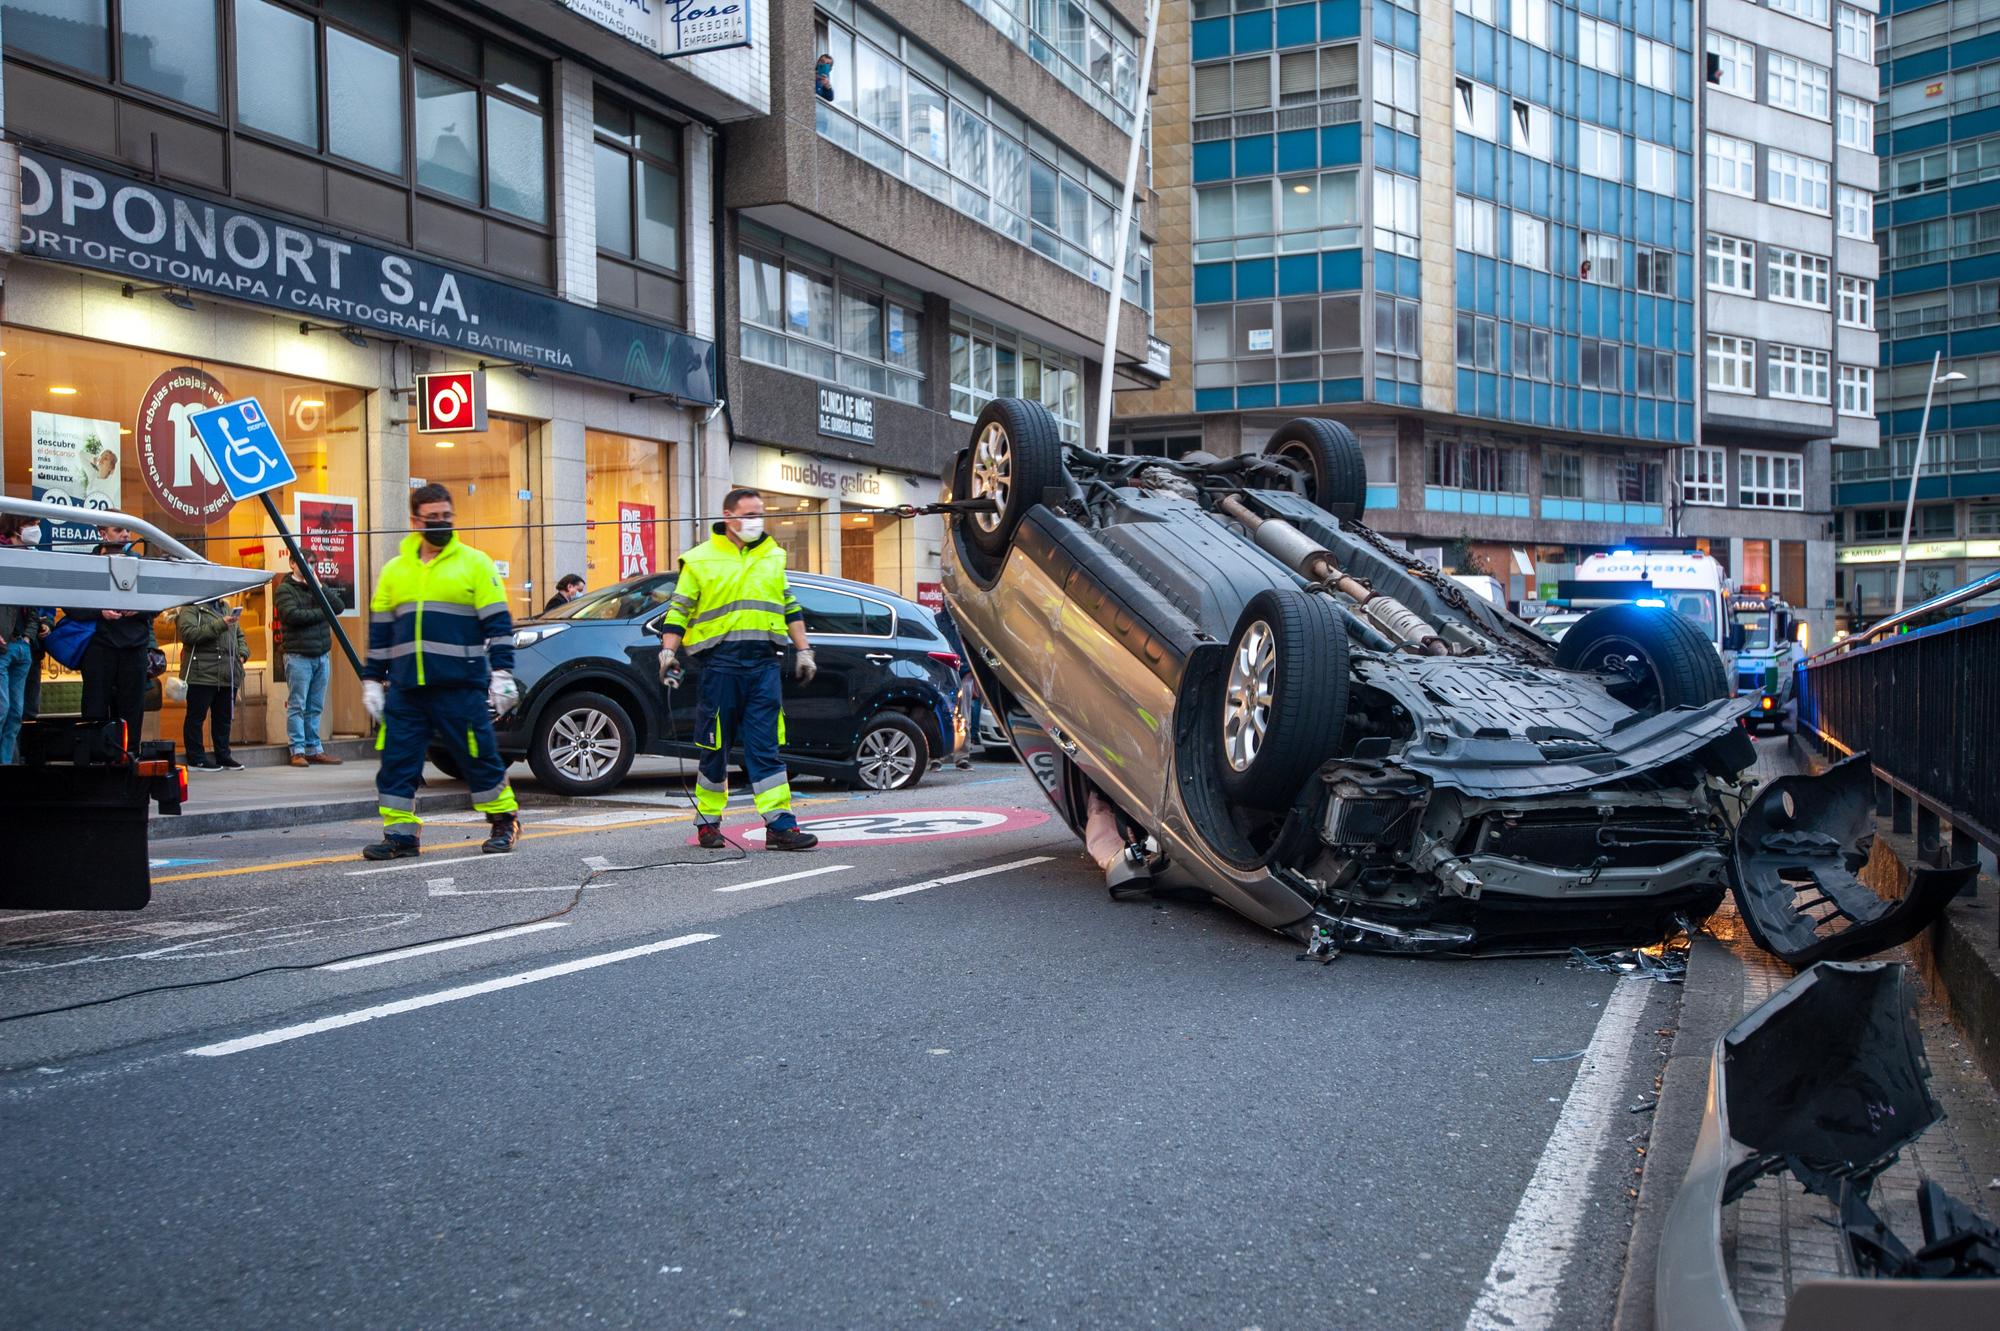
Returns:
<point x="1736" y="62"/>
<point x="1796" y="374"/>
<point x="1604" y="254"/>
<point x="1475" y="109"/>
<point x="1529" y="20"/>
<point x="1730" y="164"/>
<point x="1729" y="264"/>
<point x="1653" y="167"/>
<point x="1794" y="277"/>
<point x="1857" y="390"/>
<point x="1704" y="477"/>
<point x="1856" y="123"/>
<point x="1857" y="303"/>
<point x="1653" y="64"/>
<point x="1731" y="364"/>
<point x="1593" y="145"/>
<point x="1812" y="11"/>
<point x="1796" y="85"/>
<point x="1530" y="242"/>
<point x="1475" y="226"/>
<point x="1394" y="213"/>
<point x="1479" y="9"/>
<point x="1854" y="33"/>
<point x="1856" y="219"/>
<point x="1793" y="181"/>
<point x="1770" y="480"/>
<point x="1597" y="44"/>
<point x="1532" y="131"/>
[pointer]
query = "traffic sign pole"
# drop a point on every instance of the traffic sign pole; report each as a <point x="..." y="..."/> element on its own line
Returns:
<point x="305" y="566"/>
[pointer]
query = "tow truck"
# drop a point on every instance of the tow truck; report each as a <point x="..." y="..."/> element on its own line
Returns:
<point x="1768" y="642"/>
<point x="84" y="790"/>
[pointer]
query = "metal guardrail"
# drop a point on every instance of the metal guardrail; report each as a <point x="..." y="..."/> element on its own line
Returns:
<point x="1925" y="706"/>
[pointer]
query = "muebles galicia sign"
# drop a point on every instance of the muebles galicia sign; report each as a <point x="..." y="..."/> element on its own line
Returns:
<point x="671" y="27"/>
<point x="81" y="215"/>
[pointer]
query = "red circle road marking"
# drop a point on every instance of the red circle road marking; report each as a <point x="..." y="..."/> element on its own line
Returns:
<point x="870" y="829"/>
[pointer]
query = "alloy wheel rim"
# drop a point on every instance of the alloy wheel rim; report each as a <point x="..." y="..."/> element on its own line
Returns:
<point x="887" y="757"/>
<point x="992" y="472"/>
<point x="1246" y="698"/>
<point x="1622" y="656"/>
<point x="1300" y="461"/>
<point x="584" y="744"/>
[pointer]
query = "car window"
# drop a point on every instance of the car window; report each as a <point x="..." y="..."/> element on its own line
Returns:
<point x="1698" y="607"/>
<point x="829" y="611"/>
<point x="917" y="625"/>
<point x="1756" y="632"/>
<point x="626" y="601"/>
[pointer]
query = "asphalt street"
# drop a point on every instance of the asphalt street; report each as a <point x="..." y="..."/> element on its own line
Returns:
<point x="928" y="1075"/>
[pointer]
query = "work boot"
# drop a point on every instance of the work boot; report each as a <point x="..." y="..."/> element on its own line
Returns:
<point x="710" y="837"/>
<point x="789" y="838"/>
<point x="393" y="846"/>
<point x="505" y="829"/>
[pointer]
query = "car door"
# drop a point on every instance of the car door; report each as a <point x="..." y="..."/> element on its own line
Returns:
<point x="850" y="637"/>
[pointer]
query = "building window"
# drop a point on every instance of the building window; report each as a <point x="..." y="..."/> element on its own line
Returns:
<point x="1635" y="482"/>
<point x="1702" y="479"/>
<point x="1474" y="225"/>
<point x="1396" y="209"/>
<point x="988" y="361"/>
<point x="1598" y="256"/>
<point x="164" y="46"/>
<point x="1398" y="343"/>
<point x="1532" y="132"/>
<point x="1531" y="242"/>
<point x="1732" y="165"/>
<point x="1854" y="33"/>
<point x="1600" y="152"/>
<point x="1653" y="64"/>
<point x="1487" y="468"/>
<point x="1653" y="271"/>
<point x="1529" y="20"/>
<point x="1479" y="9"/>
<point x="1598" y="365"/>
<point x="1770" y="480"/>
<point x="1562" y="474"/>
<point x="480" y="120"/>
<point x="1478" y="338"/>
<point x="1396" y="89"/>
<point x="1597" y="44"/>
<point x="1653" y="167"/>
<point x="1792" y="84"/>
<point x="1857" y="302"/>
<point x="1655" y="373"/>
<point x="1857" y="124"/>
<point x="1473" y="110"/>
<point x="1730" y="264"/>
<point x="1089" y="49"/>
<point x="1857" y="390"/>
<point x="1919" y="173"/>
<point x="1232" y="86"/>
<point x="1732" y="364"/>
<point x="1731" y="66"/>
<point x="850" y="328"/>
<point x="1795" y="278"/>
<point x="1857" y="213"/>
<point x="1812" y="11"/>
<point x="1795" y="181"/>
<point x="1797" y="374"/>
<point x="1531" y="352"/>
<point x="638" y="185"/>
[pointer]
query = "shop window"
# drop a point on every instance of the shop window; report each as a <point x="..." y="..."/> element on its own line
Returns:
<point x="628" y="498"/>
<point x="638" y="185"/>
<point x="493" y="484"/>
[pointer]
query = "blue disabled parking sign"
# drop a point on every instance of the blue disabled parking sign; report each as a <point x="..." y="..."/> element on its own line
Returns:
<point x="244" y="448"/>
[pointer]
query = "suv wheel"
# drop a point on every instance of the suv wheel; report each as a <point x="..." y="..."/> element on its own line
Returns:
<point x="1016" y="454"/>
<point x="1332" y="473"/>
<point x="1663" y="661"/>
<point x="583" y="745"/>
<point x="1284" y="697"/>
<point x="892" y="753"/>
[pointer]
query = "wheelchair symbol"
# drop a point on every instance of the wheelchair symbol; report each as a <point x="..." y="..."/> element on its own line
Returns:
<point x="245" y="460"/>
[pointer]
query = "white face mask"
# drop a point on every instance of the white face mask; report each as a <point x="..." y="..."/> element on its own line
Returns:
<point x="749" y="529"/>
<point x="31" y="535"/>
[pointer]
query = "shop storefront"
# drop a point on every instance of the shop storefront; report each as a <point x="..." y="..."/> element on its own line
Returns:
<point x="826" y="513"/>
<point x="628" y="496"/>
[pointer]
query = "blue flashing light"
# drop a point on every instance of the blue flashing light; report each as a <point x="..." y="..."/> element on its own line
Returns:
<point x="1652" y="603"/>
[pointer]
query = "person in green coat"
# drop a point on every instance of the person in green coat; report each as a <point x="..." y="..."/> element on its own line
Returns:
<point x="213" y="650"/>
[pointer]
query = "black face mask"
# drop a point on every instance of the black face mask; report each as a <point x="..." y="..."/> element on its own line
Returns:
<point x="438" y="533"/>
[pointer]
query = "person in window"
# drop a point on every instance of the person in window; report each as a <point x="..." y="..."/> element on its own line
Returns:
<point x="567" y="590"/>
<point x="823" y="78"/>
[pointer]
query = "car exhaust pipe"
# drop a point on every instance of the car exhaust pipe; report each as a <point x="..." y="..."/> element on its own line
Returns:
<point x="1300" y="552"/>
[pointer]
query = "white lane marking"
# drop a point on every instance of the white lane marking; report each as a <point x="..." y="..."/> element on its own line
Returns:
<point x="424" y="862"/>
<point x="1524" y="1285"/>
<point x="928" y="884"/>
<point x="786" y="877"/>
<point x="425" y="949"/>
<point x="355" y="1018"/>
<point x="442" y="887"/>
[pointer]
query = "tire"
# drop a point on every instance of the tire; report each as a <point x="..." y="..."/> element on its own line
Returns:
<point x="892" y="753"/>
<point x="583" y="744"/>
<point x="1333" y="474"/>
<point x="445" y="761"/>
<point x="1667" y="660"/>
<point x="1283" y="701"/>
<point x="1015" y="455"/>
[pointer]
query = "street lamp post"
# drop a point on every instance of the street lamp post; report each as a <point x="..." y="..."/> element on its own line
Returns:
<point x="1917" y="469"/>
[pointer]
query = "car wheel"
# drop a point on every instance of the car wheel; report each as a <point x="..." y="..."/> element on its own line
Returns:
<point x="892" y="753"/>
<point x="584" y="744"/>
<point x="1016" y="454"/>
<point x="1665" y="661"/>
<point x="1332" y="473"/>
<point x="1284" y="697"/>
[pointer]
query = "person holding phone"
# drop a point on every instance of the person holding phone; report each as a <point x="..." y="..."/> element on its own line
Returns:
<point x="213" y="650"/>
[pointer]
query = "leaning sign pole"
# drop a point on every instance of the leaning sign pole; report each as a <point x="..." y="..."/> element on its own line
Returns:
<point x="1122" y="242"/>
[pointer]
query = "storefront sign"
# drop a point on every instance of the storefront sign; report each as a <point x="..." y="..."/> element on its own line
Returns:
<point x="635" y="540"/>
<point x="671" y="27"/>
<point x="75" y="461"/>
<point x="847" y="415"/>
<point x="820" y="478"/>
<point x="1159" y="357"/>
<point x="451" y="403"/>
<point x="930" y="595"/>
<point x="1888" y="554"/>
<point x="97" y="219"/>
<point x="177" y="468"/>
<point x="326" y="525"/>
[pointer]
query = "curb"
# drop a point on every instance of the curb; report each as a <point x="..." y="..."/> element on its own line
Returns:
<point x="178" y="827"/>
<point x="1711" y="1002"/>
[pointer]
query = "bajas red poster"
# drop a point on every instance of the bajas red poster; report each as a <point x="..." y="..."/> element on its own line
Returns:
<point x="326" y="526"/>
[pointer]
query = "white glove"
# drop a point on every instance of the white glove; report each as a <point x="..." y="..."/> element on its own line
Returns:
<point x="503" y="695"/>
<point x="806" y="667"/>
<point x="374" y="698"/>
<point x="670" y="667"/>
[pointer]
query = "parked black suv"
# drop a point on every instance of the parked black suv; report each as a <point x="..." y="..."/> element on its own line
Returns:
<point x="883" y="705"/>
